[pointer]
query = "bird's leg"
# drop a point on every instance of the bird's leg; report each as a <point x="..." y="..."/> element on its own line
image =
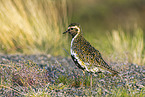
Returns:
<point x="83" y="79"/>
<point x="91" y="81"/>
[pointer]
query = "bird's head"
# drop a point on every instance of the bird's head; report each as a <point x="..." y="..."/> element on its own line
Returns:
<point x="73" y="29"/>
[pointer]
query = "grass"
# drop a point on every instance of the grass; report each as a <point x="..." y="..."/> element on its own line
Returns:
<point x="129" y="46"/>
<point x="29" y="79"/>
<point x="36" y="27"/>
<point x="32" y="26"/>
<point x="21" y="78"/>
<point x="123" y="92"/>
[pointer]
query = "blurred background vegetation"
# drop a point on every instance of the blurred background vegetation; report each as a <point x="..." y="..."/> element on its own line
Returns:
<point x="115" y="27"/>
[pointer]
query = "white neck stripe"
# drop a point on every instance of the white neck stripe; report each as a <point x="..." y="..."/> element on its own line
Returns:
<point x="72" y="42"/>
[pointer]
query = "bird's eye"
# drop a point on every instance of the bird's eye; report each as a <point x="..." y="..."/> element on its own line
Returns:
<point x="68" y="29"/>
<point x="71" y="28"/>
<point x="76" y="29"/>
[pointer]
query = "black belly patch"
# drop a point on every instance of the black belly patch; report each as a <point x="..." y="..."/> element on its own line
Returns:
<point x="76" y="62"/>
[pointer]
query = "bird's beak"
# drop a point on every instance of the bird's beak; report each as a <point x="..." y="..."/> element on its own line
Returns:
<point x="65" y="32"/>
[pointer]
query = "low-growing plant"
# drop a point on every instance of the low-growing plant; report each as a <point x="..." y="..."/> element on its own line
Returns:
<point x="29" y="79"/>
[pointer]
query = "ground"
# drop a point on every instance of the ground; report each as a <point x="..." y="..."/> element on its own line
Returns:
<point x="41" y="75"/>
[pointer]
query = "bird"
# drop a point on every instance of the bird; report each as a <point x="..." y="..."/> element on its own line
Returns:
<point x="84" y="55"/>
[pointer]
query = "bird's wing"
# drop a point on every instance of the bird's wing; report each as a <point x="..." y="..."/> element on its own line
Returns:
<point x="90" y="55"/>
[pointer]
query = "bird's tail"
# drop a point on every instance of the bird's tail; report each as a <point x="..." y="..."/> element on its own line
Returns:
<point x="106" y="66"/>
<point x="114" y="73"/>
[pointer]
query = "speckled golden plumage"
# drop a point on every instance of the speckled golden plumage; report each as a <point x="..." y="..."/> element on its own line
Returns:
<point x="83" y="54"/>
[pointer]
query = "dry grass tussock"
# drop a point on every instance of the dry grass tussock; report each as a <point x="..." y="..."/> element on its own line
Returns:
<point x="129" y="46"/>
<point x="32" y="26"/>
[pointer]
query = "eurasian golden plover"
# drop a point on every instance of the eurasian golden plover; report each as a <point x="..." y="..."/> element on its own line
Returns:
<point x="85" y="56"/>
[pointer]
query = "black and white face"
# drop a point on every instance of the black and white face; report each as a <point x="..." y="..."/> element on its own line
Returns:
<point x="73" y="29"/>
